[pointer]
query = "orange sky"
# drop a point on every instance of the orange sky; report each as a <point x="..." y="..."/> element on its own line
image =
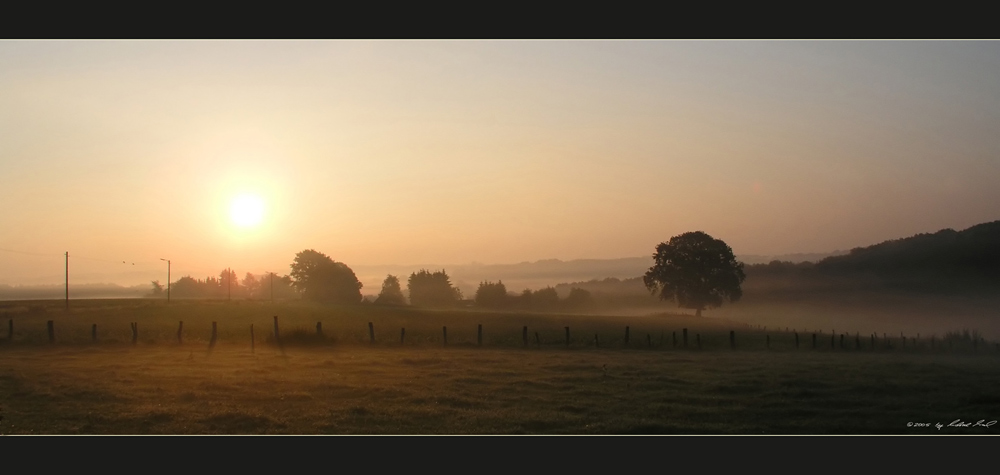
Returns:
<point x="490" y="151"/>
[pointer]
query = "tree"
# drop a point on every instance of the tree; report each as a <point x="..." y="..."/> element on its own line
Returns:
<point x="545" y="299"/>
<point x="696" y="270"/>
<point x="491" y="295"/>
<point x="157" y="290"/>
<point x="321" y="278"/>
<point x="391" y="293"/>
<point x="432" y="289"/>
<point x="578" y="298"/>
<point x="251" y="286"/>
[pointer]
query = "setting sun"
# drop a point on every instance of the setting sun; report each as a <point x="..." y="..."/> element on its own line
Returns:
<point x="247" y="210"/>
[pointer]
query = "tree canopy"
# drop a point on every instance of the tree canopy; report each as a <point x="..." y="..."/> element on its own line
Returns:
<point x="321" y="278"/>
<point x="391" y="293"/>
<point x="491" y="295"/>
<point x="429" y="289"/>
<point x="696" y="270"/>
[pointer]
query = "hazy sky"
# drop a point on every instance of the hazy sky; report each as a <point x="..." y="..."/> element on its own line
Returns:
<point x="491" y="151"/>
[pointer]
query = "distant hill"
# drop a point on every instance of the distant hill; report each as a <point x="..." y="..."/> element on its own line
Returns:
<point x="973" y="252"/>
<point x="947" y="261"/>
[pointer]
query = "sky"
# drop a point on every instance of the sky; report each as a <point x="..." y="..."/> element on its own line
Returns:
<point x="124" y="153"/>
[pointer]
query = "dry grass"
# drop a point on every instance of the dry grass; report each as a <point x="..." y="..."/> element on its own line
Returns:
<point x="340" y="384"/>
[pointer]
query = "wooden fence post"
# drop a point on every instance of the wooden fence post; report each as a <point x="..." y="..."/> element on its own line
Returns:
<point x="626" y="334"/>
<point x="732" y="339"/>
<point x="597" y="343"/>
<point x="479" y="337"/>
<point x="211" y="343"/>
<point x="402" y="335"/>
<point x="567" y="336"/>
<point x="444" y="333"/>
<point x="180" y="330"/>
<point x="52" y="331"/>
<point x="524" y="336"/>
<point x="371" y="333"/>
<point x="135" y="332"/>
<point x="252" y="340"/>
<point x="93" y="332"/>
<point x="685" y="331"/>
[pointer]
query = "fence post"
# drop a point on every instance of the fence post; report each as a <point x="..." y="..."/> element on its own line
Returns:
<point x="135" y="332"/>
<point x="93" y="332"/>
<point x="211" y="343"/>
<point x="597" y="343"/>
<point x="180" y="330"/>
<point x="480" y="335"/>
<point x="52" y="331"/>
<point x="277" y="336"/>
<point x="567" y="336"/>
<point x="371" y="333"/>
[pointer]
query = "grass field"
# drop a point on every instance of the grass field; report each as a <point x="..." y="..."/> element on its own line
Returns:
<point x="340" y="383"/>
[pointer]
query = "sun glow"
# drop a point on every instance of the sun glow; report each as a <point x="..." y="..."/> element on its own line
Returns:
<point x="247" y="211"/>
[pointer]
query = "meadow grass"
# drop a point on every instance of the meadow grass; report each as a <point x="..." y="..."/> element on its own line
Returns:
<point x="339" y="383"/>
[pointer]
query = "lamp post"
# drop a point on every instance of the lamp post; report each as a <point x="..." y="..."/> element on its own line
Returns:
<point x="168" y="278"/>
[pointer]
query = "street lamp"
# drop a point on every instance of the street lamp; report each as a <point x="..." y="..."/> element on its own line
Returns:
<point x="168" y="278"/>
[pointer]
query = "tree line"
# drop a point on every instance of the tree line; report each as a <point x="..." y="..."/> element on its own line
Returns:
<point x="693" y="269"/>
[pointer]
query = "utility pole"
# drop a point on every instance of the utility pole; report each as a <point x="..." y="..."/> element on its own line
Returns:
<point x="272" y="286"/>
<point x="67" y="280"/>
<point x="168" y="278"/>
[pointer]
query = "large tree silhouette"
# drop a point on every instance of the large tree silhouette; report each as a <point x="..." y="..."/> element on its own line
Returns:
<point x="321" y="278"/>
<point x="696" y="270"/>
